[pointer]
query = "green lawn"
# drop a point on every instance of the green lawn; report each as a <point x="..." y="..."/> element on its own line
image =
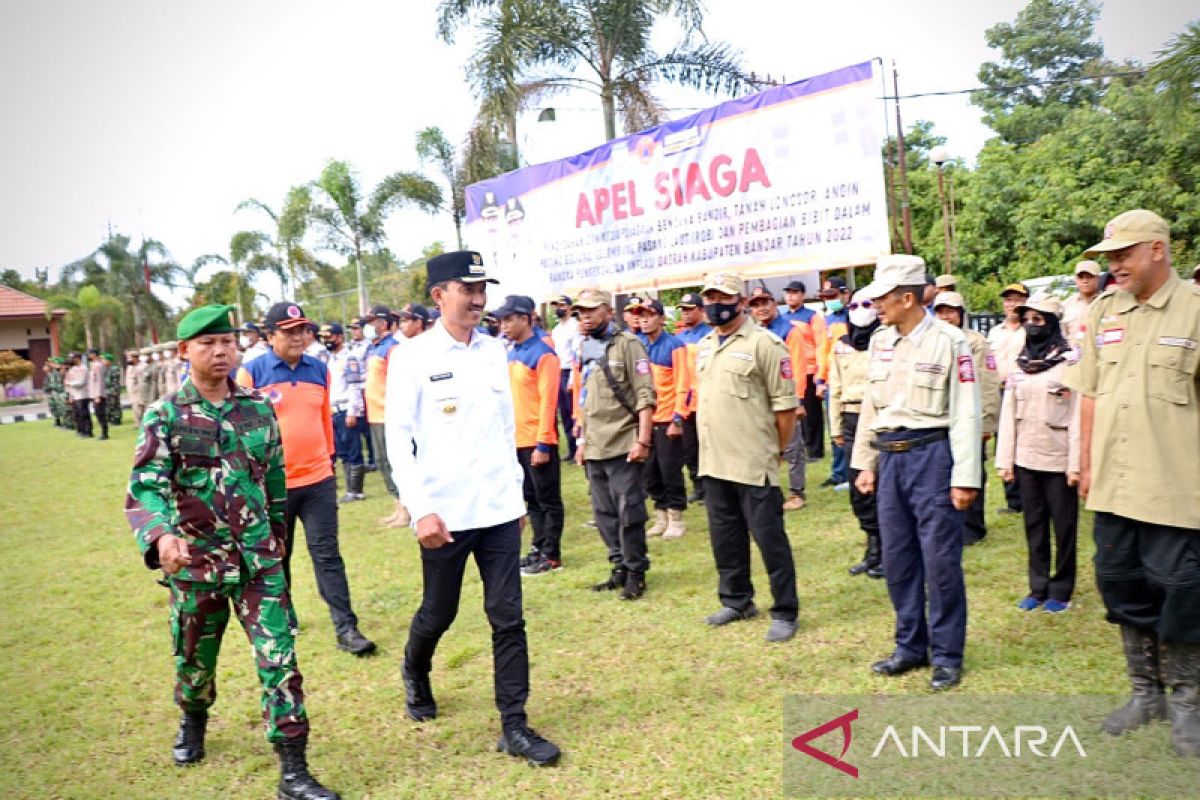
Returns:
<point x="645" y="700"/>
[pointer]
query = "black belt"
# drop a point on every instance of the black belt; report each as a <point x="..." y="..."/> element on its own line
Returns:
<point x="904" y="445"/>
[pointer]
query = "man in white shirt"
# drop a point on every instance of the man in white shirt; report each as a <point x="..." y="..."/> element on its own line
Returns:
<point x="251" y="341"/>
<point x="567" y="338"/>
<point x="1075" y="308"/>
<point x="1007" y="340"/>
<point x="449" y="405"/>
<point x="346" y="376"/>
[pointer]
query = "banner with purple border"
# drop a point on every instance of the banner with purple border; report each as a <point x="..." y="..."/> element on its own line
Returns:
<point x="785" y="181"/>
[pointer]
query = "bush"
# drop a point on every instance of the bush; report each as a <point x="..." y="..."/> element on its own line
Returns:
<point x="13" y="369"/>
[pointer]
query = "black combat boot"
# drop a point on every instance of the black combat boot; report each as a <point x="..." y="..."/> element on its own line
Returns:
<point x="1181" y="671"/>
<point x="1148" y="701"/>
<point x="615" y="581"/>
<point x="864" y="565"/>
<point x="874" y="556"/>
<point x="635" y="586"/>
<point x="189" y="742"/>
<point x="295" y="781"/>
<point x="354" y="483"/>
<point x="418" y="695"/>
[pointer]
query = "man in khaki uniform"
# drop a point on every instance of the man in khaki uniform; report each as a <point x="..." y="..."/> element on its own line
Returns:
<point x="919" y="431"/>
<point x="615" y="409"/>
<point x="950" y="308"/>
<point x="746" y="418"/>
<point x="1075" y="308"/>
<point x="1140" y="470"/>
<point x="147" y="383"/>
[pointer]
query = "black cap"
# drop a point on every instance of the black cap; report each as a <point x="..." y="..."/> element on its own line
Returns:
<point x="515" y="304"/>
<point x="835" y="282"/>
<point x="414" y="311"/>
<point x="649" y="304"/>
<point x="251" y="327"/>
<point x="379" y="312"/>
<point x="796" y="286"/>
<point x="284" y="315"/>
<point x="563" y="299"/>
<point x="761" y="291"/>
<point x="332" y="329"/>
<point x="355" y="322"/>
<point x="690" y="300"/>
<point x="461" y="265"/>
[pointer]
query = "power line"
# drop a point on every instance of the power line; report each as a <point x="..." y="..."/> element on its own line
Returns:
<point x="1014" y="86"/>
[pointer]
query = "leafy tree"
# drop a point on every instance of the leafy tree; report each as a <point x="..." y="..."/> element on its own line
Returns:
<point x="1177" y="74"/>
<point x="1044" y="55"/>
<point x="532" y="48"/>
<point x="291" y="223"/>
<point x="100" y="314"/>
<point x="13" y="369"/>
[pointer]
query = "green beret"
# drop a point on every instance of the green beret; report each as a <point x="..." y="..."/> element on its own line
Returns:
<point x="206" y="319"/>
<point x="109" y="356"/>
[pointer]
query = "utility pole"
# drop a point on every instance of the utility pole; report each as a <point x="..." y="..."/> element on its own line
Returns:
<point x="905" y="210"/>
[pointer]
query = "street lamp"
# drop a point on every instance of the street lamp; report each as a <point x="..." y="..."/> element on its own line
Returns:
<point x="939" y="156"/>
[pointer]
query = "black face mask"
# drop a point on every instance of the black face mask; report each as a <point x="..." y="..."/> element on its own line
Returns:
<point x="562" y="312"/>
<point x="1036" y="333"/>
<point x="493" y="330"/>
<point x="331" y="345"/>
<point x="721" y="313"/>
<point x="599" y="332"/>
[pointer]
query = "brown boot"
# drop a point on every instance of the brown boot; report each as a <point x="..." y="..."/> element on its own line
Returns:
<point x="675" y="527"/>
<point x="660" y="523"/>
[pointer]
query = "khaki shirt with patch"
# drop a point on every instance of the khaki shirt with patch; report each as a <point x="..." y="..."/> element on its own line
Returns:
<point x="847" y="383"/>
<point x="925" y="380"/>
<point x="989" y="379"/>
<point x="1007" y="343"/>
<point x="1141" y="363"/>
<point x="742" y="382"/>
<point x="609" y="430"/>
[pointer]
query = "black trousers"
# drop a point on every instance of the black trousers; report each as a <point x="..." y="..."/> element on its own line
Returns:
<point x="814" y="420"/>
<point x="1012" y="492"/>
<point x="619" y="507"/>
<point x="691" y="449"/>
<point x="316" y="507"/>
<point x="664" y="471"/>
<point x="496" y="550"/>
<point x="1047" y="498"/>
<point x="1149" y="576"/>
<point x="566" y="411"/>
<point x="863" y="505"/>
<point x="83" y="416"/>
<point x="543" y="502"/>
<point x="101" y="411"/>
<point x="736" y="512"/>
<point x="975" y="523"/>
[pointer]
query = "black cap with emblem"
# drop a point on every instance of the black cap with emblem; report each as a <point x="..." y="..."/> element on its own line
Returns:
<point x="461" y="265"/>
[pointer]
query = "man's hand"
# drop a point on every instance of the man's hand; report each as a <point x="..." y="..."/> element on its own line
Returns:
<point x="522" y="522"/>
<point x="579" y="455"/>
<point x="172" y="553"/>
<point x="351" y="422"/>
<point x="432" y="533"/>
<point x="800" y="412"/>
<point x="840" y="441"/>
<point x="638" y="454"/>
<point x="865" y="482"/>
<point x="1007" y="475"/>
<point x="1085" y="483"/>
<point x="674" y="430"/>
<point x="821" y="390"/>
<point x="538" y="459"/>
<point x="962" y="498"/>
<point x="1072" y="479"/>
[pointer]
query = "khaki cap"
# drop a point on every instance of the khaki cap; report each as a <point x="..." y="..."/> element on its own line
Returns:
<point x="592" y="298"/>
<point x="1043" y="304"/>
<point x="945" y="281"/>
<point x="894" y="271"/>
<point x="951" y="299"/>
<point x="725" y="283"/>
<point x="1089" y="267"/>
<point x="1130" y="228"/>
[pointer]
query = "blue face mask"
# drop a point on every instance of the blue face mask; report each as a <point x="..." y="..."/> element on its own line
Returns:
<point x="834" y="305"/>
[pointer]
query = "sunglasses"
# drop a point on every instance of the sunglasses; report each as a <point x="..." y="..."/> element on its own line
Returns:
<point x="861" y="304"/>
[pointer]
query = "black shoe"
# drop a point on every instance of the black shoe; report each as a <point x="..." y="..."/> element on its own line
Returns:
<point x="1007" y="510"/>
<point x="370" y="468"/>
<point x="189" y="742"/>
<point x="945" y="678"/>
<point x="875" y="571"/>
<point x="894" y="665"/>
<point x="295" y="781"/>
<point x="859" y="568"/>
<point x="696" y="497"/>
<point x="615" y="581"/>
<point x="418" y="695"/>
<point x="635" y="586"/>
<point x="529" y="558"/>
<point x="355" y="643"/>
<point x="828" y="482"/>
<point x="524" y="741"/>
<point x="103" y="437"/>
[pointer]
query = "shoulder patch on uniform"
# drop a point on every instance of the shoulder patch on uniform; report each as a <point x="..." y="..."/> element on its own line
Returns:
<point x="966" y="369"/>
<point x="642" y="366"/>
<point x="785" y="368"/>
<point x="990" y="362"/>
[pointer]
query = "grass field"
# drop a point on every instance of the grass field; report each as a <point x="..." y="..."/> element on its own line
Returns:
<point x="645" y="700"/>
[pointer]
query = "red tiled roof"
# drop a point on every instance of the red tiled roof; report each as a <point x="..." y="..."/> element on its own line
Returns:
<point x="14" y="304"/>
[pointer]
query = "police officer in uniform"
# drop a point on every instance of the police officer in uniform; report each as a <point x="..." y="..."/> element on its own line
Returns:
<point x="450" y="396"/>
<point x="346" y="376"/>
<point x="918" y="446"/>
<point x="951" y="309"/>
<point x="615" y="415"/>
<point x="747" y="415"/>
<point x="1140" y="431"/>
<point x="217" y="447"/>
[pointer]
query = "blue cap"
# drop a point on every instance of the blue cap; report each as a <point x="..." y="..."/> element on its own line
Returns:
<point x="515" y="304"/>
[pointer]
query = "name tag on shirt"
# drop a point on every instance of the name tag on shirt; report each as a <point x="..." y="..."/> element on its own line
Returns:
<point x="741" y="356"/>
<point x="885" y="355"/>
<point x="932" y="369"/>
<point x="1177" y="341"/>
<point x="1111" y="336"/>
<point x="441" y="376"/>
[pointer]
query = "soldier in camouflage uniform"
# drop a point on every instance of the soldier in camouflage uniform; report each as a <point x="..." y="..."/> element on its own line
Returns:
<point x="112" y="389"/>
<point x="206" y="503"/>
<point x="55" y="391"/>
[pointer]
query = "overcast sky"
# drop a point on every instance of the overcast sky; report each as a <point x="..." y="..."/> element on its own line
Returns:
<point x="159" y="117"/>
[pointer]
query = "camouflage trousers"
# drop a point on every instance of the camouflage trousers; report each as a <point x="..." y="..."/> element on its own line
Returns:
<point x="112" y="407"/>
<point x="199" y="614"/>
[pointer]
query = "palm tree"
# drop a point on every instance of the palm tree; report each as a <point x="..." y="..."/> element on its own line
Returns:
<point x="531" y="48"/>
<point x="99" y="312"/>
<point x="291" y="223"/>
<point x="350" y="222"/>
<point x="1177" y="71"/>
<point x="119" y="270"/>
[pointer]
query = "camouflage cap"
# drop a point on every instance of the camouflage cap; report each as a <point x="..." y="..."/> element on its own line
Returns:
<point x="592" y="298"/>
<point x="1130" y="228"/>
<point x="215" y="318"/>
<point x="725" y="283"/>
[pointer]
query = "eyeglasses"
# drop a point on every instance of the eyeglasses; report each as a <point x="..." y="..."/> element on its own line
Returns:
<point x="860" y="304"/>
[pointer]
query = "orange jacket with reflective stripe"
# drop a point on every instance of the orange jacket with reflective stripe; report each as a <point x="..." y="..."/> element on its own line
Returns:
<point x="534" y="372"/>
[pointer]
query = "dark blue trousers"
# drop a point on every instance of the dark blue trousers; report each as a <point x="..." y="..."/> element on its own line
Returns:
<point x="348" y="441"/>
<point x="922" y="537"/>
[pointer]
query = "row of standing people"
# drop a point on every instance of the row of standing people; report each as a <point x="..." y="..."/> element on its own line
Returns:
<point x="76" y="388"/>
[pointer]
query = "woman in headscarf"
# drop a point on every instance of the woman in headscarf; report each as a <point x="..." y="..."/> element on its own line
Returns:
<point x="1039" y="446"/>
<point x="848" y="362"/>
